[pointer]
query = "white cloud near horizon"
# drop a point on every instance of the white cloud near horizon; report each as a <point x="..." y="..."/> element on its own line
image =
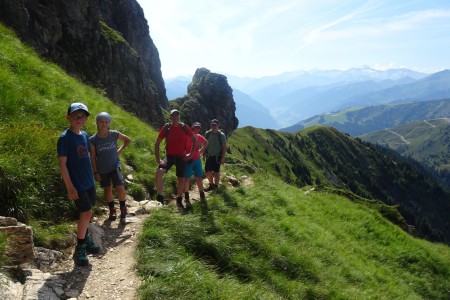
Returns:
<point x="260" y="38"/>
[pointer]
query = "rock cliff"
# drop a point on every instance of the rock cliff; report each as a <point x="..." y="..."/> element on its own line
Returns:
<point x="209" y="97"/>
<point x="105" y="43"/>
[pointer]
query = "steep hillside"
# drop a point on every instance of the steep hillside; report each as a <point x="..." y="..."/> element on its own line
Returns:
<point x="425" y="141"/>
<point x="104" y="43"/>
<point x="324" y="157"/>
<point x="360" y="120"/>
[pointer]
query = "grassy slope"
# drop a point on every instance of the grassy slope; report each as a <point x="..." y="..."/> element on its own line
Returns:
<point x="269" y="241"/>
<point x="428" y="141"/>
<point x="273" y="241"/>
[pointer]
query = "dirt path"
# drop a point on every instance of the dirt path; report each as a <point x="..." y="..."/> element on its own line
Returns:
<point x="112" y="273"/>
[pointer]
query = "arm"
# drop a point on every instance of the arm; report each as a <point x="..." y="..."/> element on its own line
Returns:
<point x="224" y="151"/>
<point x="126" y="141"/>
<point x="194" y="146"/>
<point x="157" y="157"/>
<point x="203" y="146"/>
<point x="71" y="190"/>
<point x="94" y="162"/>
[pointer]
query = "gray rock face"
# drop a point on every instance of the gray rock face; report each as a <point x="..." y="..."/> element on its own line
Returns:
<point x="104" y="43"/>
<point x="209" y="97"/>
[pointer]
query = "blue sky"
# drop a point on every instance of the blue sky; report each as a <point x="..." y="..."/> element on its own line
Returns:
<point x="260" y="38"/>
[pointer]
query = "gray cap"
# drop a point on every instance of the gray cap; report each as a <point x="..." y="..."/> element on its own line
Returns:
<point x="103" y="115"/>
<point x="77" y="106"/>
<point x="196" y="124"/>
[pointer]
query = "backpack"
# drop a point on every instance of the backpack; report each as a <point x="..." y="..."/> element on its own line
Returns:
<point x="167" y="129"/>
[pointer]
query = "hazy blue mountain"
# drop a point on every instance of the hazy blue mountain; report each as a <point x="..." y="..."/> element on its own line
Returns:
<point x="307" y="102"/>
<point x="251" y="112"/>
<point x="434" y="86"/>
<point x="177" y="87"/>
<point x="361" y="120"/>
<point x="268" y="89"/>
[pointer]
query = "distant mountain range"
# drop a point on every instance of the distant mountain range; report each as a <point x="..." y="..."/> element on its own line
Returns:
<point x="360" y="120"/>
<point x="296" y="96"/>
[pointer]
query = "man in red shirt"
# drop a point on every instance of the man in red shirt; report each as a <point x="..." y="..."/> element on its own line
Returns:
<point x="175" y="133"/>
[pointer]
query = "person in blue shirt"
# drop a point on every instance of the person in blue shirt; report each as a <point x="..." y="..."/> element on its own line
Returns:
<point x="76" y="171"/>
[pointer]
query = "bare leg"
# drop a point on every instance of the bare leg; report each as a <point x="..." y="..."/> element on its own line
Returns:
<point x="209" y="175"/>
<point x="159" y="180"/>
<point x="217" y="178"/>
<point x="199" y="182"/>
<point x="83" y="223"/>
<point x="180" y="186"/>
<point x="120" y="190"/>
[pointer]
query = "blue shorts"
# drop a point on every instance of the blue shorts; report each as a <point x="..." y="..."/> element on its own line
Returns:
<point x="194" y="167"/>
<point x="115" y="177"/>
<point x="85" y="200"/>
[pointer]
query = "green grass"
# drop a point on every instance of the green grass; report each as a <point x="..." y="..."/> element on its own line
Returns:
<point x="271" y="241"/>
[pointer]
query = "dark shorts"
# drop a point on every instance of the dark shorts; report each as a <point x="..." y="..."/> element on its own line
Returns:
<point x="212" y="164"/>
<point x="85" y="200"/>
<point x="115" y="177"/>
<point x="178" y="161"/>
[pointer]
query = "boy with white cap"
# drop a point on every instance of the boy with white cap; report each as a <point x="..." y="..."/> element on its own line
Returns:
<point x="75" y="165"/>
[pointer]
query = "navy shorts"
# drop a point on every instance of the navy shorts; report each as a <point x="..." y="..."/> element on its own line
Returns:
<point x="115" y="177"/>
<point x="178" y="161"/>
<point x="86" y="200"/>
<point x="212" y="164"/>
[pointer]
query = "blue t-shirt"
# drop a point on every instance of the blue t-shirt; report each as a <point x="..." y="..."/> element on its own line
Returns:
<point x="106" y="157"/>
<point x="76" y="148"/>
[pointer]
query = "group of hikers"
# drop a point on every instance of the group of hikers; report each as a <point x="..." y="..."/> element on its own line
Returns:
<point x="84" y="160"/>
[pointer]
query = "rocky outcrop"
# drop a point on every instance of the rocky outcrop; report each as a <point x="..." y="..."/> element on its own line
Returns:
<point x="209" y="97"/>
<point x="105" y="43"/>
<point x="19" y="241"/>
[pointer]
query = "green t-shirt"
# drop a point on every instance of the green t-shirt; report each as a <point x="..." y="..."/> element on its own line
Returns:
<point x="215" y="142"/>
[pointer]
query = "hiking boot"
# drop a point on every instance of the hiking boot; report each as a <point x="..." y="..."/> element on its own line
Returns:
<point x="123" y="214"/>
<point x="91" y="247"/>
<point x="179" y="202"/>
<point x="112" y="214"/>
<point x="188" y="205"/>
<point x="210" y="188"/>
<point x="80" y="256"/>
<point x="160" y="199"/>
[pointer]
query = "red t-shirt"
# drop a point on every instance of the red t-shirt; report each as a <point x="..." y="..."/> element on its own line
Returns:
<point x="200" y="140"/>
<point x="176" y="145"/>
